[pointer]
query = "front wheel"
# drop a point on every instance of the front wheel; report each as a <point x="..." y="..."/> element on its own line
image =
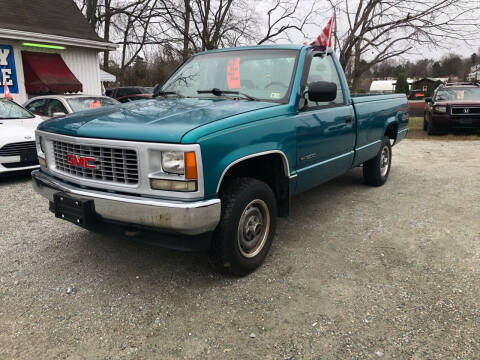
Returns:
<point x="243" y="237"/>
<point x="376" y="170"/>
<point x="431" y="130"/>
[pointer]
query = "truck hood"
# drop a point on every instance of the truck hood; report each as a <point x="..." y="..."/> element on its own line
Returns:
<point x="156" y="120"/>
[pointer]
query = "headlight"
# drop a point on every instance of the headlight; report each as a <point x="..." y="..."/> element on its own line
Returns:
<point x="173" y="162"/>
<point x="440" y="109"/>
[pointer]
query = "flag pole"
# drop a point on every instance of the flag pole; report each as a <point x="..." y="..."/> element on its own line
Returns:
<point x="335" y="20"/>
<point x="330" y="34"/>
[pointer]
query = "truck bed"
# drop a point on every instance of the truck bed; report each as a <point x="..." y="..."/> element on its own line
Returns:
<point x="373" y="114"/>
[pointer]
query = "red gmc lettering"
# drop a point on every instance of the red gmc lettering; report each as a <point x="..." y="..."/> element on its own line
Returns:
<point x="80" y="161"/>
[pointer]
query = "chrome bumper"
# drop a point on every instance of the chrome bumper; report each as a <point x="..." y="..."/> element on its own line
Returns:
<point x="188" y="218"/>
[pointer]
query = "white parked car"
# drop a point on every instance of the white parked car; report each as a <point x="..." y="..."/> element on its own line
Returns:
<point x="17" y="137"/>
<point x="48" y="106"/>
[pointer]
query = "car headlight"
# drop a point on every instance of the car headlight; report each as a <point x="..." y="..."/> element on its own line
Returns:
<point x="183" y="164"/>
<point x="440" y="109"/>
<point x="173" y="162"/>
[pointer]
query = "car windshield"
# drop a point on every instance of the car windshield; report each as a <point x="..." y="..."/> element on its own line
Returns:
<point x="458" y="94"/>
<point x="85" y="103"/>
<point x="261" y="74"/>
<point x="11" y="110"/>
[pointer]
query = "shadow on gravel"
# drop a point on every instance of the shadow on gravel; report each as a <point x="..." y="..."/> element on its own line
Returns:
<point x="121" y="259"/>
<point x="15" y="177"/>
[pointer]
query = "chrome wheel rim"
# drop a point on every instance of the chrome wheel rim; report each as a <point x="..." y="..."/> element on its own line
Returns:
<point x="253" y="228"/>
<point x="384" y="160"/>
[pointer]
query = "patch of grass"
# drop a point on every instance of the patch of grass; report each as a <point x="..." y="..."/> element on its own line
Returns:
<point x="415" y="123"/>
<point x="415" y="131"/>
<point x="422" y="135"/>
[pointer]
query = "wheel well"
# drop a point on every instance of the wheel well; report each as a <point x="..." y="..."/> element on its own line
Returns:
<point x="392" y="131"/>
<point x="269" y="168"/>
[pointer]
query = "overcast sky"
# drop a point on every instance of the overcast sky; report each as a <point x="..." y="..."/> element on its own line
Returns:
<point x="419" y="52"/>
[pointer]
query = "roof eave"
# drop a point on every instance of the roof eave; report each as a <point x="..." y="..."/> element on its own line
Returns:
<point x="61" y="40"/>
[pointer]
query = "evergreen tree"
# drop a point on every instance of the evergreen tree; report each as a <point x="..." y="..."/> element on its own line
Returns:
<point x="402" y="84"/>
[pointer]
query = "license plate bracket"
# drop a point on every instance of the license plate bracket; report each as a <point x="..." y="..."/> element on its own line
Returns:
<point x="81" y="212"/>
<point x="28" y="156"/>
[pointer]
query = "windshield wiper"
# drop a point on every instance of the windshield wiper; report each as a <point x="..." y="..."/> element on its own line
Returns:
<point x="165" y="93"/>
<point x="218" y="92"/>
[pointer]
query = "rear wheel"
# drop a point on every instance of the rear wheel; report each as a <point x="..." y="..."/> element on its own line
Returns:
<point x="376" y="170"/>
<point x="243" y="237"/>
<point x="425" y="122"/>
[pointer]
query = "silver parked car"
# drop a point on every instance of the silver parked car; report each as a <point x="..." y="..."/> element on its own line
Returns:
<point x="48" y="106"/>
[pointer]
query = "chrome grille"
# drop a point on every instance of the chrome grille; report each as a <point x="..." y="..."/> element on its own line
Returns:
<point x="18" y="148"/>
<point x="466" y="111"/>
<point x="115" y="165"/>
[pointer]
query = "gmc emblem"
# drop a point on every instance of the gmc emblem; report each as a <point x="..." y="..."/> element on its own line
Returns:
<point x="80" y="161"/>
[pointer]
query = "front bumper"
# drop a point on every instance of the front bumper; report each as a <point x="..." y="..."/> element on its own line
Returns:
<point x="181" y="217"/>
<point x="447" y="121"/>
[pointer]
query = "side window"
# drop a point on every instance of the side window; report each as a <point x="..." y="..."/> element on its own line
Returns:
<point x="55" y="106"/>
<point x="37" y="107"/>
<point x="120" y="93"/>
<point x="322" y="68"/>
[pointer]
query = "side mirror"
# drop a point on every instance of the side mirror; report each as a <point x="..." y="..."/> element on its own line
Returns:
<point x="156" y="90"/>
<point x="55" y="114"/>
<point x="428" y="99"/>
<point x="321" y="91"/>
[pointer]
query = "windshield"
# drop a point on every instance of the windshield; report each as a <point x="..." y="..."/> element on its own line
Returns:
<point x="11" y="110"/>
<point x="458" y="94"/>
<point x="86" y="103"/>
<point x="262" y="74"/>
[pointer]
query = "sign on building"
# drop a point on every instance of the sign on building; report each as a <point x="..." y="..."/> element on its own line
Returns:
<point x="8" y="71"/>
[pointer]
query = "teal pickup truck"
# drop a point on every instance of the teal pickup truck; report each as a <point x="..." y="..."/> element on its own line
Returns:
<point x="219" y="152"/>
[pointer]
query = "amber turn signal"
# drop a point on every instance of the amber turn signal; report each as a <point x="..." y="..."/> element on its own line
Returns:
<point x="190" y="166"/>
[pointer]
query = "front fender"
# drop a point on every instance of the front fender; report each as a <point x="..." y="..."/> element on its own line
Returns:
<point x="225" y="148"/>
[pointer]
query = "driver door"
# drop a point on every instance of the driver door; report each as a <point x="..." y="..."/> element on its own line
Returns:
<point x="325" y="131"/>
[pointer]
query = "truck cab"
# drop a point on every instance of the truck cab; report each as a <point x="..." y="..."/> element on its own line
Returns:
<point x="218" y="153"/>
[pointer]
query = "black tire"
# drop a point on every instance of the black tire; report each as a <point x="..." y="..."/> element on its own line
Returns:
<point x="374" y="171"/>
<point x="425" y="122"/>
<point x="242" y="200"/>
<point x="431" y="130"/>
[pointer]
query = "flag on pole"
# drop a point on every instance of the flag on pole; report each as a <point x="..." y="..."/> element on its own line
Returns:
<point x="6" y="91"/>
<point x="325" y="37"/>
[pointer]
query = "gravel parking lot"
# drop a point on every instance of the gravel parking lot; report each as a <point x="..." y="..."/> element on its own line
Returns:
<point x="355" y="272"/>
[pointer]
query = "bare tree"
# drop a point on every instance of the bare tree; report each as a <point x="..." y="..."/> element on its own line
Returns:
<point x="210" y="24"/>
<point x="378" y="30"/>
<point x="284" y="16"/>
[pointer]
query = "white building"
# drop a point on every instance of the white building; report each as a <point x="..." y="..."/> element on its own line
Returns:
<point x="474" y="74"/>
<point x="386" y="86"/>
<point x="47" y="46"/>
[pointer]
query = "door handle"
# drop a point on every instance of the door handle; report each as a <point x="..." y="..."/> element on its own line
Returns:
<point x="348" y="119"/>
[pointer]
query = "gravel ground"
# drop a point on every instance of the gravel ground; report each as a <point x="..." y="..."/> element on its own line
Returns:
<point x="355" y="272"/>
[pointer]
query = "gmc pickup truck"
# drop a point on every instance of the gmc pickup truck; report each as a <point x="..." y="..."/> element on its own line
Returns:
<point x="219" y="152"/>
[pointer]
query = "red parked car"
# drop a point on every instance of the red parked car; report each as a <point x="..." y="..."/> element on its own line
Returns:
<point x="453" y="106"/>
